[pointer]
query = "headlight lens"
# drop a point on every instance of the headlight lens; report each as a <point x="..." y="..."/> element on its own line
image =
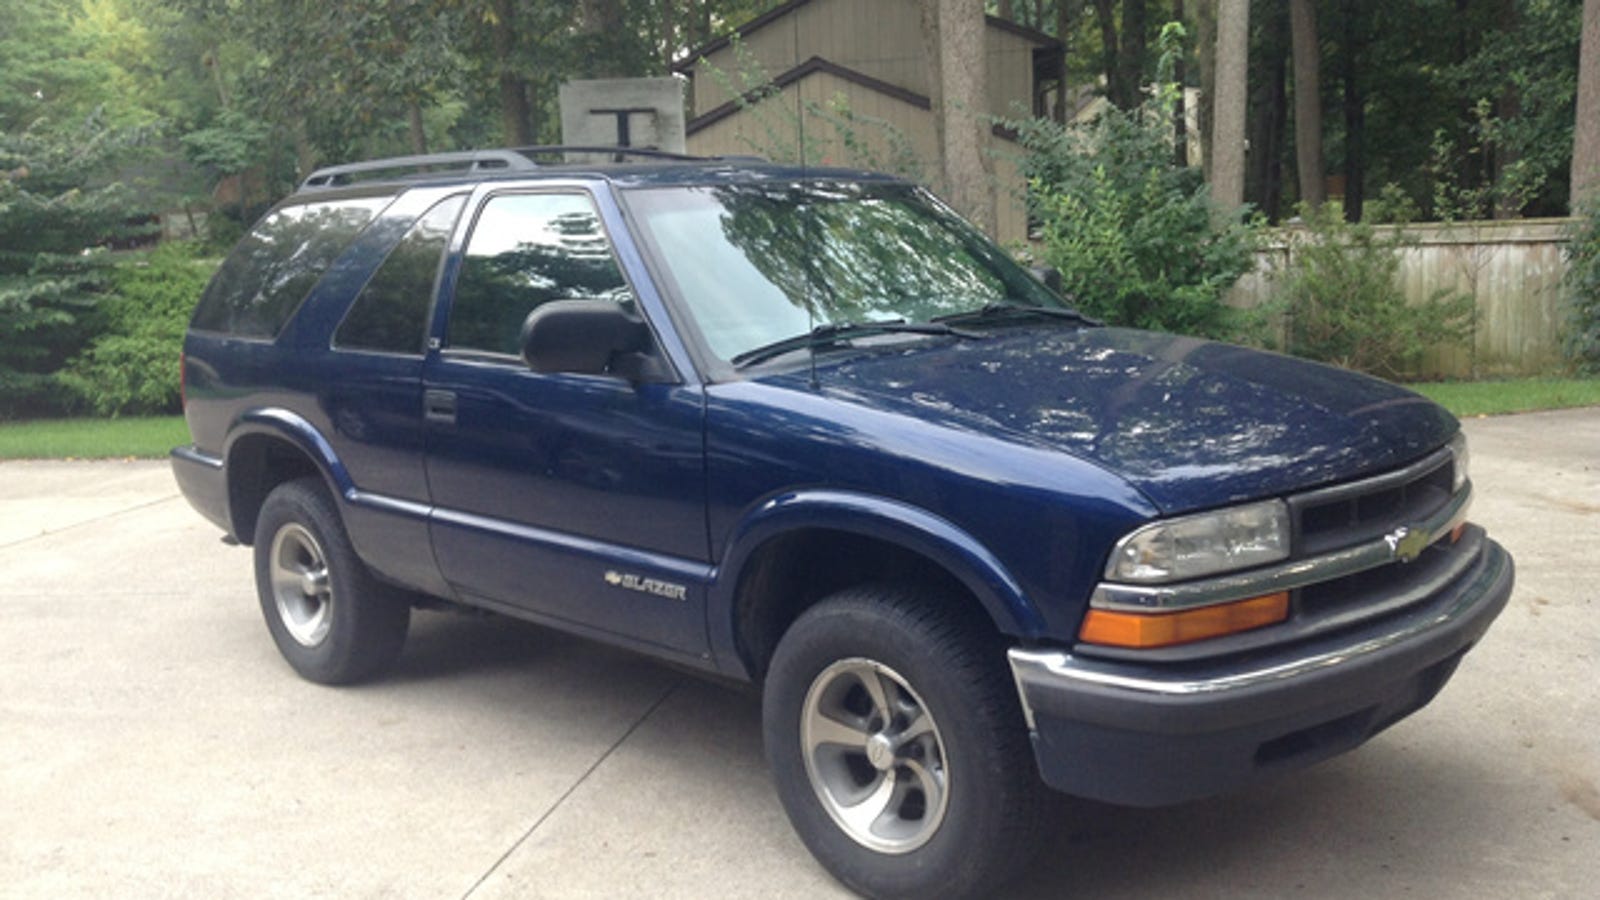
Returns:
<point x="1203" y="544"/>
<point x="1458" y="449"/>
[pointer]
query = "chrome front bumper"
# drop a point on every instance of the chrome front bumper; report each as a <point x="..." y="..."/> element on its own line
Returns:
<point x="1149" y="734"/>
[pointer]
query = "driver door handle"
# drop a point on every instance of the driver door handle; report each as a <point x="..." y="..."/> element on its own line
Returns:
<point x="439" y="406"/>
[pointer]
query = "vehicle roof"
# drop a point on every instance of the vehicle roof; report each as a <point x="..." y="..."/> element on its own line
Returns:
<point x="651" y="171"/>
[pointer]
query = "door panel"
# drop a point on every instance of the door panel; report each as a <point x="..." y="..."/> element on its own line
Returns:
<point x="577" y="497"/>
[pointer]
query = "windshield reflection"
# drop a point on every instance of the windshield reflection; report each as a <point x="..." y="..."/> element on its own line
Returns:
<point x="757" y="263"/>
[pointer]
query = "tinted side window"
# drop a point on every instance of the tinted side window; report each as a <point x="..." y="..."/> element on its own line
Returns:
<point x="528" y="249"/>
<point x="264" y="279"/>
<point x="390" y="314"/>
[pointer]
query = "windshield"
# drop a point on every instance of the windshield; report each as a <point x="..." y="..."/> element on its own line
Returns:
<point x="755" y="264"/>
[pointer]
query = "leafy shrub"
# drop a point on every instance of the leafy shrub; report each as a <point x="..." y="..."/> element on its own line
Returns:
<point x="1136" y="237"/>
<point x="131" y="366"/>
<point x="54" y="222"/>
<point x="1583" y="290"/>
<point x="1343" y="302"/>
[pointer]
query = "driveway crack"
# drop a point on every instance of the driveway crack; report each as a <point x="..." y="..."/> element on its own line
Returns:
<point x="593" y="767"/>
<point x="100" y="518"/>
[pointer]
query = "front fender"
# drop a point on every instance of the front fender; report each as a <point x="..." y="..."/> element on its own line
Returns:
<point x="896" y="522"/>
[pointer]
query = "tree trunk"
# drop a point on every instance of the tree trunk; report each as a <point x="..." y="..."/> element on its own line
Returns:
<point x="514" y="120"/>
<point x="1005" y="11"/>
<point x="1508" y="108"/>
<point x="1267" y="114"/>
<point x="1355" y="113"/>
<point x="1124" y="50"/>
<point x="1307" y="102"/>
<point x="954" y="29"/>
<point x="212" y="60"/>
<point x="419" y="136"/>
<point x="669" y="42"/>
<point x="1232" y="85"/>
<point x="1205" y="31"/>
<point x="1180" y="115"/>
<point x="305" y="154"/>
<point x="1130" y="55"/>
<point x="1586" y="134"/>
<point x="1063" y="25"/>
<point x="1105" y="17"/>
<point x="600" y="24"/>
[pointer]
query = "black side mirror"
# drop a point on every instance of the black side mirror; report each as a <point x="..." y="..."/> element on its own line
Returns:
<point x="1049" y="276"/>
<point x="587" y="337"/>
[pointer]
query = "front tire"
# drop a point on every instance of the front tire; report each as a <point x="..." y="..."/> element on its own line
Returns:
<point x="898" y="746"/>
<point x="332" y="620"/>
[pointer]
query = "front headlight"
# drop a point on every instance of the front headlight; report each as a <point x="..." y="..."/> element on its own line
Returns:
<point x="1458" y="449"/>
<point x="1192" y="546"/>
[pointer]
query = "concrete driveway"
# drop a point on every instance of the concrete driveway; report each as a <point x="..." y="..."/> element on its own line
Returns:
<point x="152" y="743"/>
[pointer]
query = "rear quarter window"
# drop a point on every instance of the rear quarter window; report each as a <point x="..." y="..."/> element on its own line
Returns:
<point x="274" y="267"/>
<point x="390" y="314"/>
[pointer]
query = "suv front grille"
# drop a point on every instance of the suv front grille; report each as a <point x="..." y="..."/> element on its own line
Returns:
<point x="1331" y="519"/>
<point x="1349" y="514"/>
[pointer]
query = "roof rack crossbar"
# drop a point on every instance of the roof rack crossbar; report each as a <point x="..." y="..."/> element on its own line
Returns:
<point x="472" y="160"/>
<point x="614" y="151"/>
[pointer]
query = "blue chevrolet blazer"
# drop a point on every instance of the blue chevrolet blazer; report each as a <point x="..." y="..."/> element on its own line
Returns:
<point x="810" y="430"/>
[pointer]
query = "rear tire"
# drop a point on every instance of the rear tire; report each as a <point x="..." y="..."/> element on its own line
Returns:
<point x="898" y="745"/>
<point x="332" y="620"/>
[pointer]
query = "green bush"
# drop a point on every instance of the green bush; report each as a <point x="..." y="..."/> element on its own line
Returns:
<point x="1136" y="237"/>
<point x="1342" y="303"/>
<point x="131" y="366"/>
<point x="1583" y="290"/>
<point x="56" y="219"/>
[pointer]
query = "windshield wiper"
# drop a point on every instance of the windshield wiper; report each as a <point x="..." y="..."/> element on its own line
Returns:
<point x="832" y="332"/>
<point x="1001" y="308"/>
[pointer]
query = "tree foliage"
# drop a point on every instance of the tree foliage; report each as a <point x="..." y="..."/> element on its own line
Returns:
<point x="131" y="365"/>
<point x="113" y="109"/>
<point x="1583" y="291"/>
<point x="1135" y="237"/>
<point x="1342" y="301"/>
<point x="56" y="224"/>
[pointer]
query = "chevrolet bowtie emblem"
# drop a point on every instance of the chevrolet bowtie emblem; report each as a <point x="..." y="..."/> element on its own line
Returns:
<point x="1407" y="543"/>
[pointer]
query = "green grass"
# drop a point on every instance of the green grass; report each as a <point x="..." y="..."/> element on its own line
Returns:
<point x="1490" y="398"/>
<point x="145" y="438"/>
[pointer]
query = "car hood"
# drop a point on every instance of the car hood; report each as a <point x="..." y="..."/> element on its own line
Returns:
<point x="1189" y="423"/>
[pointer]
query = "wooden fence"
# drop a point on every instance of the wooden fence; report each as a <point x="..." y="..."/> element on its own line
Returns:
<point x="1513" y="269"/>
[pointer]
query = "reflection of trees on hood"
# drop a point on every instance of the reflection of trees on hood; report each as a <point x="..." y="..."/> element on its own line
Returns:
<point x="853" y="254"/>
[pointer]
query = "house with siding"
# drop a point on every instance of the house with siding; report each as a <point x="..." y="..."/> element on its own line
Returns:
<point x="865" y="57"/>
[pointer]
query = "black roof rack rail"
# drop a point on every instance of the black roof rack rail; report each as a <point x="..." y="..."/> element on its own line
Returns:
<point x="509" y="159"/>
<point x="617" y="153"/>
<point x="419" y="166"/>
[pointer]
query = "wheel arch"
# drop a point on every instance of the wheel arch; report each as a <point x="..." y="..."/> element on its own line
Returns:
<point x="797" y="548"/>
<point x="265" y="448"/>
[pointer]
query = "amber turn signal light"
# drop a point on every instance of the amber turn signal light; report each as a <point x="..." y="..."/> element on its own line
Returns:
<point x="1143" y="631"/>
